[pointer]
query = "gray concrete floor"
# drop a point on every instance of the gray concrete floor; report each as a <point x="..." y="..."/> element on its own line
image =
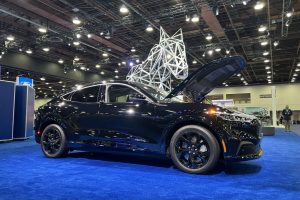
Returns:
<point x="296" y="128"/>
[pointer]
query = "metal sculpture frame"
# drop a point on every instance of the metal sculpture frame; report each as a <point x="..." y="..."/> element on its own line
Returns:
<point x="164" y="60"/>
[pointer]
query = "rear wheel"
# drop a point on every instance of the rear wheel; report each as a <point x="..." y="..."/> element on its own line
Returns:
<point x="53" y="142"/>
<point x="194" y="149"/>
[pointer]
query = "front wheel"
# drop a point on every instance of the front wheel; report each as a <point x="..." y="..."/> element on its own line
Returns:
<point x="194" y="149"/>
<point x="53" y="142"/>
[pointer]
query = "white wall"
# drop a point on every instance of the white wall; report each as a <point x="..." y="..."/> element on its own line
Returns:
<point x="286" y="94"/>
<point x="40" y="102"/>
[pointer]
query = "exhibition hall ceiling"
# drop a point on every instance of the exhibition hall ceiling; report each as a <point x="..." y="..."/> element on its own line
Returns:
<point x="108" y="37"/>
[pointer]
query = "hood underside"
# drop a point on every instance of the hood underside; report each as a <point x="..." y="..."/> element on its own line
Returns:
<point x="205" y="79"/>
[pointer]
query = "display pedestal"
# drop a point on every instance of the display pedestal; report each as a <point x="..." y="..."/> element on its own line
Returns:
<point x="268" y="130"/>
<point x="7" y="107"/>
<point x="24" y="112"/>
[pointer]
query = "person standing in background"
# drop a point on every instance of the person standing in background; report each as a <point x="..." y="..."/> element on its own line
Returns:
<point x="287" y="113"/>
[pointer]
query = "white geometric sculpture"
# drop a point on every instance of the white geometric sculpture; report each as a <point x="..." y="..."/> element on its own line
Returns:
<point x="164" y="60"/>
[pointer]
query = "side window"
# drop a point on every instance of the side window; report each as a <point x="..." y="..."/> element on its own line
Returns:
<point x="122" y="94"/>
<point x="89" y="94"/>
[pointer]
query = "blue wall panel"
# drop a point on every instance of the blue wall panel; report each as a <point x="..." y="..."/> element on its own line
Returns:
<point x="7" y="101"/>
<point x="24" y="112"/>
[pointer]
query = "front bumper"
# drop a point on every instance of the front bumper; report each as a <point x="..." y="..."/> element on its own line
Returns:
<point x="242" y="140"/>
<point x="247" y="151"/>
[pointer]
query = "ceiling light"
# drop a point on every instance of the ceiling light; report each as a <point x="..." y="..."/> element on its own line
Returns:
<point x="105" y="54"/>
<point x="276" y="43"/>
<point x="268" y="72"/>
<point x="268" y="77"/>
<point x="289" y="14"/>
<point x="149" y="28"/>
<point x="264" y="43"/>
<point x="218" y="49"/>
<point x="266" y="61"/>
<point x="123" y="62"/>
<point x="132" y="49"/>
<point x="76" y="59"/>
<point x="47" y="83"/>
<point x="293" y="80"/>
<point x="194" y="62"/>
<point x="210" y="52"/>
<point x="42" y="30"/>
<point x="265" y="53"/>
<point x="130" y="64"/>
<point x="203" y="55"/>
<point x="78" y="35"/>
<point x="195" y="18"/>
<point x="43" y="78"/>
<point x="298" y="64"/>
<point x="187" y="18"/>
<point x="97" y="66"/>
<point x="124" y="9"/>
<point x="82" y="68"/>
<point x="262" y="28"/>
<point x="29" y="51"/>
<point x="244" y="3"/>
<point x="238" y="75"/>
<point x="208" y="37"/>
<point x="20" y="50"/>
<point x="74" y="69"/>
<point x="116" y="71"/>
<point x="259" y="5"/>
<point x="102" y="73"/>
<point x="10" y="38"/>
<point x="60" y="82"/>
<point x="60" y="61"/>
<point x="76" y="21"/>
<point x="46" y="49"/>
<point x="119" y="64"/>
<point x="89" y="35"/>
<point x="267" y="67"/>
<point x="297" y="70"/>
<point x="137" y="61"/>
<point x="227" y="51"/>
<point x="116" y="76"/>
<point x="76" y="43"/>
<point x="295" y="74"/>
<point x="242" y="79"/>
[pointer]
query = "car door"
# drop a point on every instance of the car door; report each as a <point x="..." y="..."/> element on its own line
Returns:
<point x="83" y="112"/>
<point x="128" y="119"/>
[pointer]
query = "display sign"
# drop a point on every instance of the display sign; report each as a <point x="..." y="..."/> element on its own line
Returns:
<point x="24" y="81"/>
<point x="223" y="102"/>
<point x="264" y="96"/>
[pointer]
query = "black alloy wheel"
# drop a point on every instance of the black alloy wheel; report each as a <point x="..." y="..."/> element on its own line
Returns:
<point x="53" y="142"/>
<point x="194" y="149"/>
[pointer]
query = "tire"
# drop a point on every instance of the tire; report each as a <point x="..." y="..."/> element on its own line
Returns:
<point x="53" y="142"/>
<point x="194" y="149"/>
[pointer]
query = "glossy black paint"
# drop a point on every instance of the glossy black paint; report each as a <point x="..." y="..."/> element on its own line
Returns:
<point x="147" y="125"/>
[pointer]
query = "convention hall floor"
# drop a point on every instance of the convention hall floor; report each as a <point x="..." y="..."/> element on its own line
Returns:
<point x="26" y="174"/>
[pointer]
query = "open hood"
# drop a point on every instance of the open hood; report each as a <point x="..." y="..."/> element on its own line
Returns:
<point x="205" y="79"/>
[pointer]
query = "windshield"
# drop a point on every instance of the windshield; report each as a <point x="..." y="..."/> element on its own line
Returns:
<point x="158" y="95"/>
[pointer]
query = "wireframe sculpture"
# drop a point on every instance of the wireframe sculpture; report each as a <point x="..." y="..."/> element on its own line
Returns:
<point x="164" y="60"/>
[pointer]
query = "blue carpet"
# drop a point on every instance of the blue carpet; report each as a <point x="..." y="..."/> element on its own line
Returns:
<point x="26" y="174"/>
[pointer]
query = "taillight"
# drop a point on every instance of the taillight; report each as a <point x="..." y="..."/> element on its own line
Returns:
<point x="39" y="132"/>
